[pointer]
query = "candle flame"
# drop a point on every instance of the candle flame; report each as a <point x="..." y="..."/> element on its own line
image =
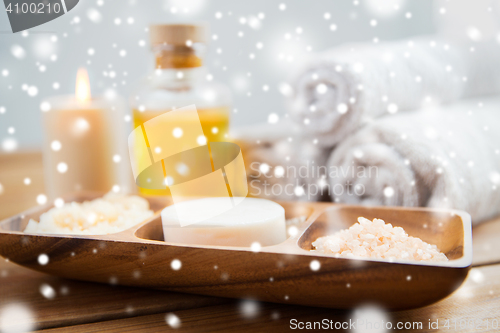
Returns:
<point x="82" y="85"/>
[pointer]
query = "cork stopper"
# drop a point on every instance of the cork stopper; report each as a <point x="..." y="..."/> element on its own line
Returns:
<point x="177" y="34"/>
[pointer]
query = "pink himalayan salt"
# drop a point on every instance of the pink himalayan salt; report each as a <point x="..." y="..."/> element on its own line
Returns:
<point x="367" y="239"/>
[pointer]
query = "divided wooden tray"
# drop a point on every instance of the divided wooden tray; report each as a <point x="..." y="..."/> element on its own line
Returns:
<point x="280" y="273"/>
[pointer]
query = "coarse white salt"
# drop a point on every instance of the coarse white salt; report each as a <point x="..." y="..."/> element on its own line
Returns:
<point x="367" y="239"/>
<point x="110" y="214"/>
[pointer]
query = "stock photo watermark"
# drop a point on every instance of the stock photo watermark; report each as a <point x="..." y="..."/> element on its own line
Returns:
<point x="367" y="325"/>
<point x="308" y="180"/>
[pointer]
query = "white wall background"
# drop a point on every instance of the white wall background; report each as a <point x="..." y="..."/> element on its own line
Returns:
<point x="48" y="56"/>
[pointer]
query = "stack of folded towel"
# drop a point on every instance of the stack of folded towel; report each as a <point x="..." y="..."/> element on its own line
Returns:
<point x="384" y="124"/>
<point x="342" y="89"/>
<point x="444" y="157"/>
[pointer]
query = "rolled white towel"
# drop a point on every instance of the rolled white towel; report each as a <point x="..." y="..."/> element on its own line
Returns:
<point x="345" y="87"/>
<point x="441" y="157"/>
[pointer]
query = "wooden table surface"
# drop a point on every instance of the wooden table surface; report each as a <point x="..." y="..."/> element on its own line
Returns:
<point x="89" y="307"/>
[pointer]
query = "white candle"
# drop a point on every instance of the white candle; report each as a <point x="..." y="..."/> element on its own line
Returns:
<point x="85" y="143"/>
<point x="251" y="221"/>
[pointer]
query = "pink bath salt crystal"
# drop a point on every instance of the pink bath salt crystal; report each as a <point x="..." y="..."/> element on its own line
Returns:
<point x="359" y="251"/>
<point x="332" y="246"/>
<point x="364" y="222"/>
<point x="426" y="256"/>
<point x="379" y="240"/>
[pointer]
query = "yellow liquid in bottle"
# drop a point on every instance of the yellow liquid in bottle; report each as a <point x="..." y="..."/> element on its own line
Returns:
<point x="214" y="122"/>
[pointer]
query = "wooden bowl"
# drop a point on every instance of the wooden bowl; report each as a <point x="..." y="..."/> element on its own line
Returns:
<point x="280" y="273"/>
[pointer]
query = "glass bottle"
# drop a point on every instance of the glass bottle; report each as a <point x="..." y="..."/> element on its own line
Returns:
<point x="180" y="79"/>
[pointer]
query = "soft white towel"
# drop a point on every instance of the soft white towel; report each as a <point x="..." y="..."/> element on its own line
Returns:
<point x="440" y="157"/>
<point x="341" y="89"/>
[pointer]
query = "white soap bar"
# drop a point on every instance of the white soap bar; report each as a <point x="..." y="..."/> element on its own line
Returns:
<point x="252" y="220"/>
